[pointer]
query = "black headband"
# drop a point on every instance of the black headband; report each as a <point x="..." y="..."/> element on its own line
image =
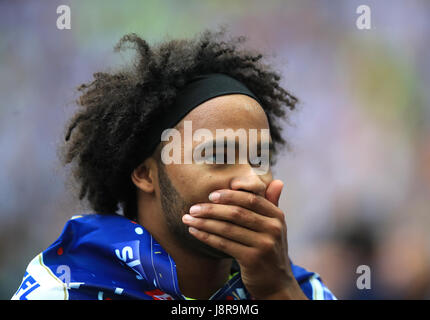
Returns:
<point x="200" y="89"/>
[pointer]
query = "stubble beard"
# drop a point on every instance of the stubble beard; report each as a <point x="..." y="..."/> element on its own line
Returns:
<point x="174" y="207"/>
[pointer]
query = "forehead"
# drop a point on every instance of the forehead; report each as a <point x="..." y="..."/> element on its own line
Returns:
<point x="229" y="111"/>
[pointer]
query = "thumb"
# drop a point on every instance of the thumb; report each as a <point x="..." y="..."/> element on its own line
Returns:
<point x="273" y="191"/>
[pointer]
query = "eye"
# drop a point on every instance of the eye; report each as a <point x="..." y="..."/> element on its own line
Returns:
<point x="212" y="158"/>
<point x="255" y="162"/>
<point x="262" y="156"/>
<point x="220" y="156"/>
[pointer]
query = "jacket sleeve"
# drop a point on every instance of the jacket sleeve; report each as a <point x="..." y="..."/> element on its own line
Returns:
<point x="40" y="283"/>
<point x="315" y="289"/>
<point x="311" y="284"/>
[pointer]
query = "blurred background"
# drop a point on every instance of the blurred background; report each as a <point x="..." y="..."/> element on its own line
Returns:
<point x="357" y="174"/>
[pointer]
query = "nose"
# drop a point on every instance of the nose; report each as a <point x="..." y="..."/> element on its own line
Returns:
<point x="249" y="181"/>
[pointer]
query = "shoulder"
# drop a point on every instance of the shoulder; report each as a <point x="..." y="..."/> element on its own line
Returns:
<point x="43" y="278"/>
<point x="40" y="283"/>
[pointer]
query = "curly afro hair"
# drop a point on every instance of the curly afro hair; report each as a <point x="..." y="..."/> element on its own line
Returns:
<point x="105" y="139"/>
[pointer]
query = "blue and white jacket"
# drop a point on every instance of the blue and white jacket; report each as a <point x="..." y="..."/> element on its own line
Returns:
<point x="111" y="257"/>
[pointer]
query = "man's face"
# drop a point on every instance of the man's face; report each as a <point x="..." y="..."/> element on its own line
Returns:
<point x="183" y="185"/>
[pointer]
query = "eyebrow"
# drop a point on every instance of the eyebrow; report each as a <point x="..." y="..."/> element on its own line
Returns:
<point x="224" y="143"/>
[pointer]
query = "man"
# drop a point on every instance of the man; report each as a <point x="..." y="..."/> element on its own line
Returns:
<point x="201" y="225"/>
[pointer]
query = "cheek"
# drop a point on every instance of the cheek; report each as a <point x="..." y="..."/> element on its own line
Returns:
<point x="195" y="183"/>
<point x="267" y="178"/>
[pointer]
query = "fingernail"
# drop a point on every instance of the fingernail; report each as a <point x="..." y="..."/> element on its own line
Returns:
<point x="214" y="196"/>
<point x="195" y="209"/>
<point x="192" y="230"/>
<point x="187" y="218"/>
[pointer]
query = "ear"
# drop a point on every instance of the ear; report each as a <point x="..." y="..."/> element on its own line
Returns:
<point x="144" y="176"/>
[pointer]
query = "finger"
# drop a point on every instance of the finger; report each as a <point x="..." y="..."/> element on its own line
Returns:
<point x="247" y="200"/>
<point x="224" y="229"/>
<point x="273" y="191"/>
<point x="234" y="214"/>
<point x="232" y="248"/>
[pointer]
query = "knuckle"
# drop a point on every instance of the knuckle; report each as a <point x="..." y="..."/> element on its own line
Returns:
<point x="205" y="236"/>
<point x="252" y="199"/>
<point x="266" y="245"/>
<point x="199" y="223"/>
<point x="226" y="228"/>
<point x="276" y="228"/>
<point x="206" y="209"/>
<point x="237" y="213"/>
<point x="226" y="196"/>
<point x="281" y="215"/>
<point x="222" y="244"/>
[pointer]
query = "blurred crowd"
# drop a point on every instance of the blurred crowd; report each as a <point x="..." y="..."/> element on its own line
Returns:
<point x="357" y="170"/>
